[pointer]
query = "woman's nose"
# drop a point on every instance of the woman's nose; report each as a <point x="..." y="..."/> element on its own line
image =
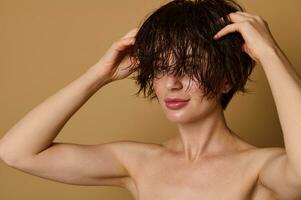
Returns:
<point x="173" y="82"/>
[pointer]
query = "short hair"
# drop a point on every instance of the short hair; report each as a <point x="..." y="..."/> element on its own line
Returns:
<point x="185" y="30"/>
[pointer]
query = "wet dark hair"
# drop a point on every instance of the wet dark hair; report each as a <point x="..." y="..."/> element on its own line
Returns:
<point x="184" y="29"/>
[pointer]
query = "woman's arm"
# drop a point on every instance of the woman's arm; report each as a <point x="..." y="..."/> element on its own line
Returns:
<point x="36" y="131"/>
<point x="39" y="127"/>
<point x="282" y="173"/>
<point x="28" y="146"/>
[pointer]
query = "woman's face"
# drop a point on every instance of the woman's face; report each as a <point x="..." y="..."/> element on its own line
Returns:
<point x="197" y="107"/>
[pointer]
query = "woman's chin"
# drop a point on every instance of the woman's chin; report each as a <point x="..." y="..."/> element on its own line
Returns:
<point x="177" y="118"/>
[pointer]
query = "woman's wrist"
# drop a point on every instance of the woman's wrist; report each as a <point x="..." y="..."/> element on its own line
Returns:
<point x="96" y="77"/>
<point x="269" y="54"/>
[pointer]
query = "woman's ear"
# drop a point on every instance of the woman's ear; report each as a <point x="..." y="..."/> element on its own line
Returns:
<point x="226" y="86"/>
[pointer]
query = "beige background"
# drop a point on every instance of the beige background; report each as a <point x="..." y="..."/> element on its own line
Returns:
<point x="46" y="44"/>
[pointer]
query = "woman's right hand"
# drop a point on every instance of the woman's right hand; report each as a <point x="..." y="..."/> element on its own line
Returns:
<point x="115" y="61"/>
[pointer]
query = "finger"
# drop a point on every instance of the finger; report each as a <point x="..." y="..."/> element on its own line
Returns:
<point x="227" y="29"/>
<point x="238" y="17"/>
<point x="124" y="43"/>
<point x="252" y="16"/>
<point x="246" y="13"/>
<point x="131" y="33"/>
<point x="243" y="47"/>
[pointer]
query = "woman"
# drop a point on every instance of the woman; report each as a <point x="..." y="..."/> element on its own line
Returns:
<point x="192" y="56"/>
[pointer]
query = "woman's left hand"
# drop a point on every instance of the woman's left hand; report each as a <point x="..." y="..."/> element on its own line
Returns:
<point x="255" y="32"/>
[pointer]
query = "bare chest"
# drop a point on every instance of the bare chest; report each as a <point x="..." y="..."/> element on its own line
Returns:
<point x="169" y="179"/>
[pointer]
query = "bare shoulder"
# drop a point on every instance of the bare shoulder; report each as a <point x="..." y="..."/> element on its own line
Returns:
<point x="262" y="155"/>
<point x="258" y="156"/>
<point x="134" y="153"/>
<point x="136" y="148"/>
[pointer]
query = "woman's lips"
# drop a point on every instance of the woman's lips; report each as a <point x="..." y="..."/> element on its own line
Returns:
<point x="175" y="104"/>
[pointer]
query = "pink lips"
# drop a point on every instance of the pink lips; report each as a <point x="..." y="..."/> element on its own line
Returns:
<point x="175" y="103"/>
